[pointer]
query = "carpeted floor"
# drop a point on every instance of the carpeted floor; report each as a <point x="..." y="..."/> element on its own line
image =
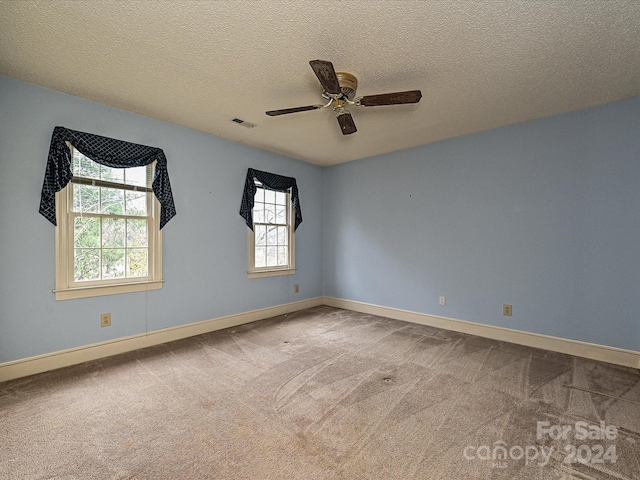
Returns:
<point x="325" y="394"/>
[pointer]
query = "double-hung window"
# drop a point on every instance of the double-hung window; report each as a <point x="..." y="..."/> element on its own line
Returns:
<point x="108" y="239"/>
<point x="272" y="241"/>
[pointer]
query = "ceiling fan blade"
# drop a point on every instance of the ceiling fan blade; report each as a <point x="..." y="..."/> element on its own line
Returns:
<point x="327" y="75"/>
<point x="346" y="123"/>
<point x="397" y="98"/>
<point x="284" y="111"/>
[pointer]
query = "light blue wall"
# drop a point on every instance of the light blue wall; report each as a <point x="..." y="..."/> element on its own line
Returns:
<point x="543" y="215"/>
<point x="205" y="248"/>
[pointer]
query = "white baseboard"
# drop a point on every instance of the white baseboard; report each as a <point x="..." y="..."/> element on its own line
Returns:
<point x="64" y="358"/>
<point x="618" y="356"/>
<point x="73" y="356"/>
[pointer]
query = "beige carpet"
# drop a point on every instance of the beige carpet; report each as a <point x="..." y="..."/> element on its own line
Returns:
<point x="324" y="394"/>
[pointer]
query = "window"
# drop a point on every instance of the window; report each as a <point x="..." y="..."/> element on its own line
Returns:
<point x="108" y="239"/>
<point x="272" y="241"/>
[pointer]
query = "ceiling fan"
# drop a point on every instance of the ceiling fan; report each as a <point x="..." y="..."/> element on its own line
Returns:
<point x="339" y="88"/>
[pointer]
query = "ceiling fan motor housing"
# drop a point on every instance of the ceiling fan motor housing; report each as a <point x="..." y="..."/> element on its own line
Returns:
<point x="348" y="84"/>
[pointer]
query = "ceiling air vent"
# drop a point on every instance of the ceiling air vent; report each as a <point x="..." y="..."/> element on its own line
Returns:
<point x="244" y="123"/>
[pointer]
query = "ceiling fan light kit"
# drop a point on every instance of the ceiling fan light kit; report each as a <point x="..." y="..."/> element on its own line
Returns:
<point x="339" y="88"/>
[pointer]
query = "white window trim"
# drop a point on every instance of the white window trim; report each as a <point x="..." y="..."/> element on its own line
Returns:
<point x="262" y="272"/>
<point x="64" y="267"/>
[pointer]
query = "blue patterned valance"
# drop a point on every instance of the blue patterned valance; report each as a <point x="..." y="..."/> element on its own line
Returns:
<point x="105" y="151"/>
<point x="270" y="181"/>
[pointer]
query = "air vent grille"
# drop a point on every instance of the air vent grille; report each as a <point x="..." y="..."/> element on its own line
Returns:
<point x="244" y="123"/>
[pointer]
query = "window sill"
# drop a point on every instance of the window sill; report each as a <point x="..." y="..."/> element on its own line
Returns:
<point x="99" y="290"/>
<point x="271" y="273"/>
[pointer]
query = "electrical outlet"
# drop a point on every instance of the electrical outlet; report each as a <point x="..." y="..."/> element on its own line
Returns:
<point x="296" y="288"/>
<point x="105" y="320"/>
<point x="507" y="310"/>
<point x="443" y="301"/>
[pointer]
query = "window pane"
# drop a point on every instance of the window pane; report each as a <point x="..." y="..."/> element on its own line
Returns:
<point x="269" y="196"/>
<point x="112" y="201"/>
<point x="86" y="232"/>
<point x="281" y="212"/>
<point x="269" y="213"/>
<point x="136" y="203"/>
<point x="136" y="176"/>
<point x="86" y="264"/>
<point x="272" y="236"/>
<point x="261" y="234"/>
<point x="113" y="263"/>
<point x="113" y="232"/>
<point x="260" y="257"/>
<point x="75" y="167"/>
<point x="258" y="212"/>
<point x="85" y="167"/>
<point x="86" y="199"/>
<point x="137" y="262"/>
<point x="281" y="198"/>
<point x="272" y="256"/>
<point x="282" y="236"/>
<point x="259" y="196"/>
<point x="136" y="233"/>
<point x="283" y="253"/>
<point x="112" y="174"/>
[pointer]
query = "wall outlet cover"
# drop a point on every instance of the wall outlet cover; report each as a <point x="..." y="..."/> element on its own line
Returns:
<point x="105" y="320"/>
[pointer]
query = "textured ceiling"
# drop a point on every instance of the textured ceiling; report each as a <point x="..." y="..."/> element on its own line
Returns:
<point x="480" y="65"/>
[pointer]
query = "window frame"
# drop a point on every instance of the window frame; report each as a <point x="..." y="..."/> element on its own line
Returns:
<point x="66" y="287"/>
<point x="273" y="271"/>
